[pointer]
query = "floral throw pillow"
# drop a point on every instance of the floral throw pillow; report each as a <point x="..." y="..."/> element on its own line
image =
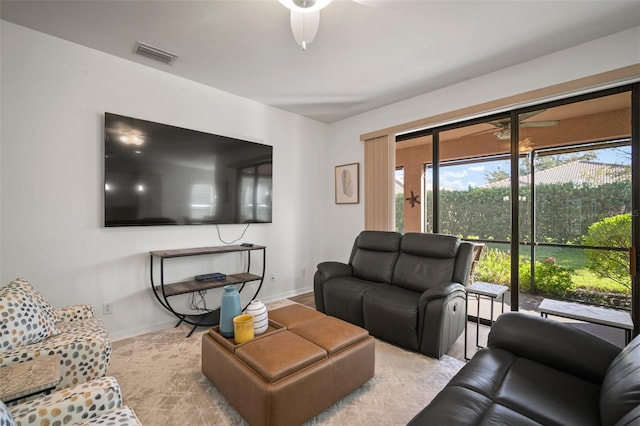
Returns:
<point x="22" y="321"/>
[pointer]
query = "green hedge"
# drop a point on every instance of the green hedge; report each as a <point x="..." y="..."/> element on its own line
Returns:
<point x="564" y="211"/>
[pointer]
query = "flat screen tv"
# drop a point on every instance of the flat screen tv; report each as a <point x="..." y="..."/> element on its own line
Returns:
<point x="156" y="174"/>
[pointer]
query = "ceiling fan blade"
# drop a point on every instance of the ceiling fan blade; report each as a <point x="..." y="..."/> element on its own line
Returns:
<point x="547" y="123"/>
<point x="500" y="124"/>
<point x="304" y="26"/>
<point x="527" y="115"/>
<point x="480" y="132"/>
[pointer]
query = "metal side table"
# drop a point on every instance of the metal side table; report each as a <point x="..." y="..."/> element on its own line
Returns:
<point x="489" y="291"/>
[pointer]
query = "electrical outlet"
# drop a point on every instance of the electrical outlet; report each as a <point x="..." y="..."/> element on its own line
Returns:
<point x="106" y="309"/>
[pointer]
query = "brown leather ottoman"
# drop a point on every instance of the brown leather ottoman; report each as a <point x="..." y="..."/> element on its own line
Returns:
<point x="304" y="363"/>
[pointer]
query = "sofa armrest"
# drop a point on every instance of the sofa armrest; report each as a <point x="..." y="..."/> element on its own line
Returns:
<point x="75" y="312"/>
<point x="552" y="343"/>
<point x="326" y="271"/>
<point x="330" y="270"/>
<point x="71" y="405"/>
<point x="439" y="292"/>
<point x="441" y="314"/>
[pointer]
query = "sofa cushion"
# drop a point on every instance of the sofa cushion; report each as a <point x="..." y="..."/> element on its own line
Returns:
<point x="374" y="255"/>
<point x="632" y="418"/>
<point x="621" y="386"/>
<point x="498" y="414"/>
<point x="343" y="298"/>
<point x="379" y="241"/>
<point x="422" y="273"/>
<point x="548" y="395"/>
<point x="22" y="320"/>
<point x="460" y="406"/>
<point x="430" y="245"/>
<point x="391" y="313"/>
<point x="454" y="405"/>
<point x="425" y="261"/>
<point x="498" y="387"/>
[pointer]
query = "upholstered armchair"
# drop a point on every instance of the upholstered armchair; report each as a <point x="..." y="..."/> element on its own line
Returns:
<point x="30" y="327"/>
<point x="95" y="402"/>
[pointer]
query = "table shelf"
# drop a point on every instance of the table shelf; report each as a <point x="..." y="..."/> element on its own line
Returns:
<point x="164" y="291"/>
<point x="191" y="286"/>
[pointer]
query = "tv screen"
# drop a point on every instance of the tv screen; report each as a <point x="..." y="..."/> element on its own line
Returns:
<point x="156" y="174"/>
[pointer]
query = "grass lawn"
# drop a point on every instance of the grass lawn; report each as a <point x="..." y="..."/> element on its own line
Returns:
<point x="585" y="279"/>
<point x="566" y="257"/>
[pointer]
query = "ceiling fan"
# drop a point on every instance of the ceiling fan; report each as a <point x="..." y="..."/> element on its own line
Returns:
<point x="305" y="17"/>
<point x="502" y="129"/>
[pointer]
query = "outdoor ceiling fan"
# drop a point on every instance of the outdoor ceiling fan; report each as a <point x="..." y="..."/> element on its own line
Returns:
<point x="305" y="17"/>
<point x="502" y="129"/>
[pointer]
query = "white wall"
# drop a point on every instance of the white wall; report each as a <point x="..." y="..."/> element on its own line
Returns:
<point x="54" y="95"/>
<point x="343" y="146"/>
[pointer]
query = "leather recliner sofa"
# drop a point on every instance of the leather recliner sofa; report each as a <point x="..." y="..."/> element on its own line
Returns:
<point x="537" y="371"/>
<point x="406" y="289"/>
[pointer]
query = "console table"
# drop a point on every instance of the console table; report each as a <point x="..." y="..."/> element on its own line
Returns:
<point x="209" y="318"/>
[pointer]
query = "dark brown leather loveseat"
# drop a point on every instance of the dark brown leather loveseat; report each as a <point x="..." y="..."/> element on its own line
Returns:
<point x="407" y="289"/>
<point x="537" y="371"/>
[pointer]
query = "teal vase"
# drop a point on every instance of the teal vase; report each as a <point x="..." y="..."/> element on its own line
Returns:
<point x="229" y="309"/>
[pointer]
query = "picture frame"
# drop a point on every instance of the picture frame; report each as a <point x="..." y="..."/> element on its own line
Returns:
<point x="347" y="183"/>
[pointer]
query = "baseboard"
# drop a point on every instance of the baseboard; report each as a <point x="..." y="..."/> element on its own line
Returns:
<point x="288" y="294"/>
<point x="133" y="332"/>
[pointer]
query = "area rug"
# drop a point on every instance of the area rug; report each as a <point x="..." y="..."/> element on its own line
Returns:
<point x="160" y="377"/>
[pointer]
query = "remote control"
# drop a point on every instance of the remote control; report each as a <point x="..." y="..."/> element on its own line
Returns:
<point x="246" y="245"/>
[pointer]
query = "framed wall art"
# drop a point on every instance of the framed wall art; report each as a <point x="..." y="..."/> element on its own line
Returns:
<point x="348" y="183"/>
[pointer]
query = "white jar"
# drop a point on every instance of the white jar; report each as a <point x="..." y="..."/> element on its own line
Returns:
<point x="260" y="316"/>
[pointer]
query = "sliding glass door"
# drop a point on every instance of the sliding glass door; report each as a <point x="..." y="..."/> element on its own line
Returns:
<point x="547" y="189"/>
<point x="474" y="191"/>
<point x="575" y="186"/>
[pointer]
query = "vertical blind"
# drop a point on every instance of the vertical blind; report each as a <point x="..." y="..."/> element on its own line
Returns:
<point x="379" y="164"/>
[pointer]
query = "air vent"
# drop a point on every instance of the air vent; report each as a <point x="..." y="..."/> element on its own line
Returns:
<point x="154" y="53"/>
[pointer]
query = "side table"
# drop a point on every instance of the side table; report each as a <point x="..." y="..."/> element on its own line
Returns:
<point x="27" y="378"/>
<point x="487" y="290"/>
<point x="588" y="313"/>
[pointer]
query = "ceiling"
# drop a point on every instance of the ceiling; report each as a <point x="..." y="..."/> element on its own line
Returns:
<point x="363" y="57"/>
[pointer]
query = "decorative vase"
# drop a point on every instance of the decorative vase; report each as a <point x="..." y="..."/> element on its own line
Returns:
<point x="260" y="316"/>
<point x="229" y="308"/>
